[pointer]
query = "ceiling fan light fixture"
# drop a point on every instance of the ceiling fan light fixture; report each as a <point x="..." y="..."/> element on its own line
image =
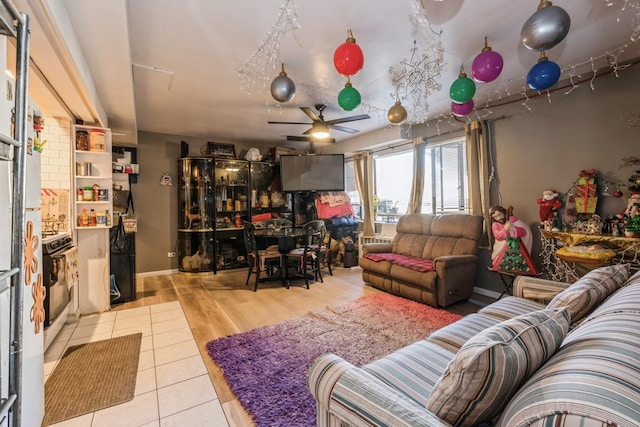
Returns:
<point x="320" y="130"/>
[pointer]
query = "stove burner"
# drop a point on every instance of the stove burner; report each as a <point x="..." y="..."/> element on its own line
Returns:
<point x="55" y="243"/>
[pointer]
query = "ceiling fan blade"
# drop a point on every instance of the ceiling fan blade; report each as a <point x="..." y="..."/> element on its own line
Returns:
<point x="309" y="112"/>
<point x="309" y="139"/>
<point x="344" y="129"/>
<point x="289" y="123"/>
<point x="348" y="119"/>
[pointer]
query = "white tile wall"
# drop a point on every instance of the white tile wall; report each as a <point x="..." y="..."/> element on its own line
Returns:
<point x="56" y="170"/>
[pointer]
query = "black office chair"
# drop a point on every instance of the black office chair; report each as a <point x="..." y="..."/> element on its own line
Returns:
<point x="305" y="258"/>
<point x="260" y="260"/>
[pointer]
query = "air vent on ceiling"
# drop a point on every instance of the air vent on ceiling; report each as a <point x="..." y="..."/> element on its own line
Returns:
<point x="154" y="77"/>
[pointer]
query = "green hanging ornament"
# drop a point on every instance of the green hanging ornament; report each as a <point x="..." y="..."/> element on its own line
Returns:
<point x="349" y="98"/>
<point x="462" y="89"/>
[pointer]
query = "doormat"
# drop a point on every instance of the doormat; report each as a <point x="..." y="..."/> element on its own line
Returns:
<point x="266" y="368"/>
<point x="92" y="376"/>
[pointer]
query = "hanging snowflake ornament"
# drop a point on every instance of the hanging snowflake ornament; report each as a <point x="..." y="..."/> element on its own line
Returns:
<point x="416" y="78"/>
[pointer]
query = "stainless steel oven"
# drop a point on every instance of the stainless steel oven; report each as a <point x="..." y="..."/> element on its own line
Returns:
<point x="60" y="274"/>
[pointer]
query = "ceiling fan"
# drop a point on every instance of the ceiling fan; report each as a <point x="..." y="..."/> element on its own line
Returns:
<point x="319" y="131"/>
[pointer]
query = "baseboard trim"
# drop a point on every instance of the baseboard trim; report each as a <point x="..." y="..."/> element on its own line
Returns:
<point x="486" y="292"/>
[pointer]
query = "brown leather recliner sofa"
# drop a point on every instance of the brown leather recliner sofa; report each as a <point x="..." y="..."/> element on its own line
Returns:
<point x="432" y="258"/>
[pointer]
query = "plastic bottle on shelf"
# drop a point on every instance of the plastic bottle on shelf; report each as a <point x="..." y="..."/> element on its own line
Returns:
<point x="93" y="218"/>
<point x="83" y="218"/>
<point x="108" y="215"/>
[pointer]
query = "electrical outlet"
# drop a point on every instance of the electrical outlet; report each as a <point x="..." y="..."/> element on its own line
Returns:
<point x="171" y="254"/>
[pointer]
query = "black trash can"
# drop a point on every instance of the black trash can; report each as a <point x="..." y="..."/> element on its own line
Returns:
<point x="123" y="267"/>
<point x="350" y="255"/>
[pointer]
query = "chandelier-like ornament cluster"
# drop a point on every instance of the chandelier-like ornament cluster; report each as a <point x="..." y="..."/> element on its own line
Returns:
<point x="417" y="78"/>
<point x="259" y="69"/>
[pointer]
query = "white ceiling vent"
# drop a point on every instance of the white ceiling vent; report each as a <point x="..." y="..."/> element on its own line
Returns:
<point x="154" y="77"/>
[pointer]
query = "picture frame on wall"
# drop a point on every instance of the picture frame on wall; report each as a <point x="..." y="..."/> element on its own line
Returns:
<point x="221" y="149"/>
<point x="282" y="151"/>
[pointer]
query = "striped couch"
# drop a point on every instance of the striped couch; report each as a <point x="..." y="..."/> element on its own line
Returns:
<point x="554" y="354"/>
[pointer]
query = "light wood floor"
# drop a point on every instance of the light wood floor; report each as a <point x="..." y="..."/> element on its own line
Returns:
<point x="220" y="305"/>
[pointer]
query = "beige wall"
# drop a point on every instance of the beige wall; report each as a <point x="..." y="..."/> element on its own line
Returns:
<point x="534" y="150"/>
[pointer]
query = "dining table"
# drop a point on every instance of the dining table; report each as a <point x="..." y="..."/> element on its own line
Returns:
<point x="285" y="236"/>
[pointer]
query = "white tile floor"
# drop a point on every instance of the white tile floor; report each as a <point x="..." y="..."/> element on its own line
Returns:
<point x="173" y="387"/>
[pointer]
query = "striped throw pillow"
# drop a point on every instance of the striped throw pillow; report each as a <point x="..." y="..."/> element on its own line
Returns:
<point x="590" y="290"/>
<point x="491" y="366"/>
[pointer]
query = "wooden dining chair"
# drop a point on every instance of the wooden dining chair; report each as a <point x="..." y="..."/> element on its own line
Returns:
<point x="260" y="259"/>
<point x="324" y="251"/>
<point x="305" y="258"/>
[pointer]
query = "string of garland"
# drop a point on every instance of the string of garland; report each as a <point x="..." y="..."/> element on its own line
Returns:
<point x="256" y="73"/>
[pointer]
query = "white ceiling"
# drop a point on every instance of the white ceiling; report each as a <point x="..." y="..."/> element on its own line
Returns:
<point x="186" y="57"/>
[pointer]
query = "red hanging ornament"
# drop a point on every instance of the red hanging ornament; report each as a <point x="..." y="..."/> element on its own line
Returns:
<point x="348" y="57"/>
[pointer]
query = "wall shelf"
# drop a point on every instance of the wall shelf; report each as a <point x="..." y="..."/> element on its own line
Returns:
<point x="93" y="241"/>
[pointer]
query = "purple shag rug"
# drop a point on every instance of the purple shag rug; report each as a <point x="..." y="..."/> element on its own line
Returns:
<point x="266" y="368"/>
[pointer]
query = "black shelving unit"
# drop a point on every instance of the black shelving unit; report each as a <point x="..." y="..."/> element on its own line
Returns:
<point x="216" y="196"/>
<point x="196" y="215"/>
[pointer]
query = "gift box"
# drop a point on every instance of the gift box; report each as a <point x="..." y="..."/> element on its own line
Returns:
<point x="586" y="180"/>
<point x="586" y="190"/>
<point x="586" y="176"/>
<point x="587" y="205"/>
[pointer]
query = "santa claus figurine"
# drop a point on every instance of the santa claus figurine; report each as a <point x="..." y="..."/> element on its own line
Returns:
<point x="549" y="205"/>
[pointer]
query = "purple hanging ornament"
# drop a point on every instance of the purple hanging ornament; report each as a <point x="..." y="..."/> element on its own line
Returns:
<point x="487" y="65"/>
<point x="461" y="110"/>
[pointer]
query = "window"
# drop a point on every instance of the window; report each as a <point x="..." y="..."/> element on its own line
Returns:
<point x="393" y="177"/>
<point x="445" y="181"/>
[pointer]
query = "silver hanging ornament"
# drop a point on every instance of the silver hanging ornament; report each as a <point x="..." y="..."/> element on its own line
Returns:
<point x="547" y="27"/>
<point x="282" y="87"/>
<point x="397" y="113"/>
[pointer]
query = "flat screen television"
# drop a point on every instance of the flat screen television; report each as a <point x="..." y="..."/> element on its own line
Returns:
<point x="317" y="172"/>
